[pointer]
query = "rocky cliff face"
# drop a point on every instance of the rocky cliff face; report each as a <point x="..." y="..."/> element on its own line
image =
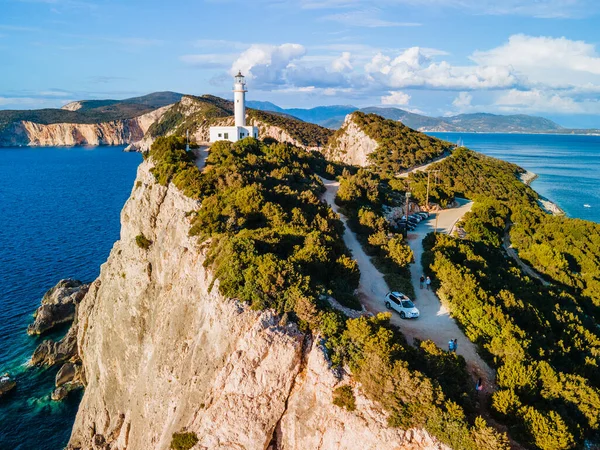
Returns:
<point x="351" y="145"/>
<point x="162" y="352"/>
<point x="118" y="132"/>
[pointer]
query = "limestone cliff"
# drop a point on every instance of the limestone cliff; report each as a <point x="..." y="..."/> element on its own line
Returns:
<point x="116" y="132"/>
<point x="162" y="352"/>
<point x="350" y="144"/>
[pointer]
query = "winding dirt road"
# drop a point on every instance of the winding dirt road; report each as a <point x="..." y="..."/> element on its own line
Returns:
<point x="435" y="322"/>
<point x="510" y="251"/>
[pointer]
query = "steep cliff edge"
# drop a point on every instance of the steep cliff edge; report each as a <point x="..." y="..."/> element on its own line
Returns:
<point x="350" y="144"/>
<point x="384" y="145"/>
<point x="162" y="353"/>
<point x="116" y="132"/>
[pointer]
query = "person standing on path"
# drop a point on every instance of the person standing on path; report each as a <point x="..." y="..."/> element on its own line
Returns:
<point x="479" y="386"/>
<point x="455" y="346"/>
<point x="428" y="282"/>
<point x="421" y="281"/>
<point x="451" y="345"/>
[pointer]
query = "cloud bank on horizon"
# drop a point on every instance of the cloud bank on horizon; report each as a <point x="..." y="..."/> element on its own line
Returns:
<point x="431" y="56"/>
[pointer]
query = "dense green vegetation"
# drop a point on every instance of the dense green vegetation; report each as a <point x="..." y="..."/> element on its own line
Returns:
<point x="344" y="398"/>
<point x="412" y="384"/>
<point x="183" y="441"/>
<point x="361" y="197"/>
<point x="566" y="251"/>
<point x="273" y="244"/>
<point x="544" y="341"/>
<point x="468" y="174"/>
<point x="308" y="134"/>
<point x="399" y="147"/>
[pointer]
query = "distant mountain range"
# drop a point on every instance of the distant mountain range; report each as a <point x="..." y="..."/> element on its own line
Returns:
<point x="91" y="111"/>
<point x="333" y="117"/>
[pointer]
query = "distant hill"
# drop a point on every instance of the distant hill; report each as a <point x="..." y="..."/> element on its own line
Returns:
<point x="319" y="115"/>
<point x="385" y="145"/>
<point x="333" y="117"/>
<point x="149" y="102"/>
<point x="499" y="123"/>
<point x="91" y="111"/>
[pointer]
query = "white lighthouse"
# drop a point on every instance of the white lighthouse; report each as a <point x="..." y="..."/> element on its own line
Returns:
<point x="240" y="130"/>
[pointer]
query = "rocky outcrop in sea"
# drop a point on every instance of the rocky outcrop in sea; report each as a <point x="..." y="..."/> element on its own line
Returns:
<point x="59" y="306"/>
<point x="7" y="384"/>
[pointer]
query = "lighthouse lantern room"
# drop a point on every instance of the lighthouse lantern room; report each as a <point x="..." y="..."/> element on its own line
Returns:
<point x="240" y="130"/>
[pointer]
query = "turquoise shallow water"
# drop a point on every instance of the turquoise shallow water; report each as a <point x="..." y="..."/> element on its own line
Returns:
<point x="568" y="167"/>
<point x="59" y="217"/>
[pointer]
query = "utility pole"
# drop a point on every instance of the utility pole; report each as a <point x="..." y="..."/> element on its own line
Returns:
<point x="427" y="197"/>
<point x="428" y="180"/>
<point x="407" y="200"/>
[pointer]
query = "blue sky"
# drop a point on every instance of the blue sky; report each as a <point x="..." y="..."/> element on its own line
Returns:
<point x="437" y="57"/>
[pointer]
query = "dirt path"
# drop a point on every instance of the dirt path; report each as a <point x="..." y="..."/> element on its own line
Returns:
<point x="422" y="168"/>
<point x="201" y="155"/>
<point x="435" y="322"/>
<point x="515" y="256"/>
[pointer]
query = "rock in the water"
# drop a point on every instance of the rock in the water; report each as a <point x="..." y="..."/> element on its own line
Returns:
<point x="59" y="394"/>
<point x="50" y="352"/>
<point x="68" y="378"/>
<point x="7" y="384"/>
<point x="58" y="306"/>
<point x="65" y="374"/>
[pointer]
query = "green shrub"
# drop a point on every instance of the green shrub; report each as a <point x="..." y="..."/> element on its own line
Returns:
<point x="344" y="398"/>
<point x="143" y="242"/>
<point x="183" y="440"/>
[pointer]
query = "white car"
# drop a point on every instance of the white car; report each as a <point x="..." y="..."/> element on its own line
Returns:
<point x="401" y="304"/>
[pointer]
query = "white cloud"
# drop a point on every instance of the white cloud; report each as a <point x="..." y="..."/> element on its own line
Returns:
<point x="537" y="101"/>
<point x="414" y="69"/>
<point x="368" y="18"/>
<point x="528" y="74"/>
<point x="267" y="63"/>
<point x="395" y="98"/>
<point x="342" y="64"/>
<point x="463" y="101"/>
<point x="556" y="62"/>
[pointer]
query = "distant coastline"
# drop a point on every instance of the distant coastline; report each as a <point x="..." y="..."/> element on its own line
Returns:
<point x="526" y="133"/>
<point x="547" y="205"/>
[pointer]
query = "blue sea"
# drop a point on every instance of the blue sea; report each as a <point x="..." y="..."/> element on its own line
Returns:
<point x="568" y="167"/>
<point x="59" y="217"/>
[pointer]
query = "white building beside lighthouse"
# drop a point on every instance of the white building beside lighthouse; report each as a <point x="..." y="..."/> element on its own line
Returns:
<point x="240" y="130"/>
